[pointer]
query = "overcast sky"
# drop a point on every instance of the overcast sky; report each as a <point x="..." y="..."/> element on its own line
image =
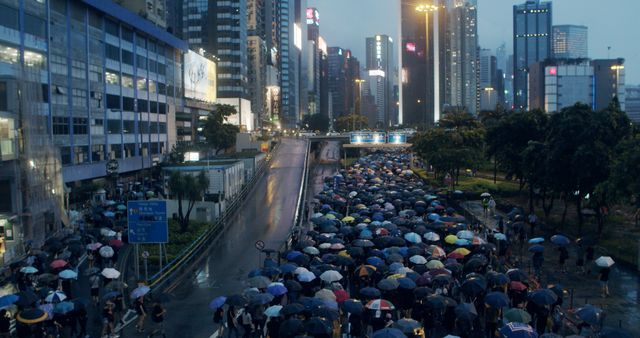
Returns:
<point x="346" y="23"/>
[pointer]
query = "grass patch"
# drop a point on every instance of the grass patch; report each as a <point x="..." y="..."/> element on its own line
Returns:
<point x="178" y="240"/>
<point x="422" y="173"/>
<point x="480" y="185"/>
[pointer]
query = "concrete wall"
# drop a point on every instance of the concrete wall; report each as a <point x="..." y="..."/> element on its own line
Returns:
<point x="202" y="211"/>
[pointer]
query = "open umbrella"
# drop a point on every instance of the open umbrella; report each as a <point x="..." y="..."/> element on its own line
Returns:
<point x="388" y="284"/>
<point x="560" y="240"/>
<point x="292" y="309"/>
<point x="259" y="282"/>
<point x="260" y="298"/>
<point x="58" y="264"/>
<point x="94" y="246"/>
<point x="413" y="237"/>
<point x="217" y="302"/>
<point x="536" y="248"/>
<point x="140" y="291"/>
<point x="380" y="305"/>
<point x="605" y="262"/>
<point x="536" y="240"/>
<point x="106" y="251"/>
<point x="277" y="289"/>
<point x="330" y="276"/>
<point x="68" y="274"/>
<point x="353" y="306"/>
<point x="590" y="314"/>
<point x="55" y="297"/>
<point x="8" y="300"/>
<point x="273" y="311"/>
<point x="543" y="297"/>
<point x="407" y="325"/>
<point x="32" y="316"/>
<point x="63" y="307"/>
<point x="307" y="276"/>
<point x="474" y="286"/>
<point x="317" y="326"/>
<point x="325" y="294"/>
<point x="518" y="330"/>
<point x="370" y="292"/>
<point x="450" y="239"/>
<point x="116" y="243"/>
<point x="517" y="315"/>
<point x="496" y="299"/>
<point x="431" y="236"/>
<point x="28" y="270"/>
<point x="237" y="300"/>
<point x="110" y="273"/>
<point x="466" y="311"/>
<point x="388" y="333"/>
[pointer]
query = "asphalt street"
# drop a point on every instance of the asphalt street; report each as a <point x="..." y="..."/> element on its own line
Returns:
<point x="267" y="215"/>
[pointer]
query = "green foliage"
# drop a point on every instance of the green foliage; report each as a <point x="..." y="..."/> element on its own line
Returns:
<point x="350" y="122"/>
<point x="220" y="135"/>
<point x="190" y="188"/>
<point x="624" y="183"/>
<point x="316" y="122"/>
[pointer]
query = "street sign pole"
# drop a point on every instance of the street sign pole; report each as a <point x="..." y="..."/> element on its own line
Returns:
<point x="145" y="257"/>
<point x="260" y="246"/>
<point x="137" y="260"/>
<point x="160" y="250"/>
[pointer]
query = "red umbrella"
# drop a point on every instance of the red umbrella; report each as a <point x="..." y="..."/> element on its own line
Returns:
<point x="58" y="263"/>
<point x="341" y="295"/>
<point x="455" y="255"/>
<point x="518" y="286"/>
<point x="116" y="243"/>
<point x="380" y="304"/>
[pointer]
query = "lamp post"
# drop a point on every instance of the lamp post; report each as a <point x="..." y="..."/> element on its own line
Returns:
<point x="426" y="9"/>
<point x="358" y="100"/>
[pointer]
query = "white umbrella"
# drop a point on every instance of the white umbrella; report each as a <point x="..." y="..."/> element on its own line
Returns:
<point x="106" y="251"/>
<point x="605" y="262"/>
<point x="110" y="273"/>
<point x="300" y="270"/>
<point x="485" y="194"/>
<point x="417" y="259"/>
<point x="431" y="236"/>
<point x="273" y="311"/>
<point x="306" y="276"/>
<point x="107" y="232"/>
<point x="139" y="292"/>
<point x="311" y="250"/>
<point x="330" y="276"/>
<point x="56" y="296"/>
<point x="94" y="246"/>
<point x="325" y="294"/>
<point x="435" y="264"/>
<point x="325" y="246"/>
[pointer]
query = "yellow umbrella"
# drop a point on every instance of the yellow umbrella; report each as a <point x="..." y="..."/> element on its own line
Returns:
<point x="451" y="239"/>
<point x="348" y="219"/>
<point x="361" y="206"/>
<point x="462" y="251"/>
<point x="396" y="276"/>
<point x="330" y="216"/>
<point x="366" y="220"/>
<point x="344" y="253"/>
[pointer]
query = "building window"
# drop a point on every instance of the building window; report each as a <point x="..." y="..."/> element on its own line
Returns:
<point x="152" y="86"/>
<point x="79" y="98"/>
<point x="127" y="34"/>
<point x="141" y="62"/>
<point x="127" y="104"/>
<point x="8" y="17"/>
<point x="143" y="105"/>
<point x="142" y="83"/>
<point x="34" y="26"/>
<point x="162" y="69"/>
<point x="127" y="81"/>
<point x="128" y="127"/>
<point x="97" y="153"/>
<point x="112" y="52"/>
<point x="111" y="28"/>
<point x="7" y="139"/>
<point x="113" y="102"/>
<point x="65" y="155"/>
<point x="8" y="54"/>
<point x="111" y="77"/>
<point x="129" y="150"/>
<point x="60" y="125"/>
<point x="3" y="96"/>
<point x="127" y="57"/>
<point x="114" y="126"/>
<point x="162" y="108"/>
<point x="80" y="125"/>
<point x="162" y="128"/>
<point x="81" y="154"/>
<point x="116" y="151"/>
<point x="33" y="59"/>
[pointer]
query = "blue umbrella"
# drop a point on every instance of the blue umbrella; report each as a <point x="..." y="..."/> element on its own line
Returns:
<point x="353" y="306"/>
<point x="277" y="289"/>
<point x="543" y="297"/>
<point x="111" y="295"/>
<point x="293" y="254"/>
<point x="536" y="248"/>
<point x="63" y="307"/>
<point x="388" y="333"/>
<point x="109" y="214"/>
<point x="8" y="300"/>
<point x="496" y="299"/>
<point x="375" y="261"/>
<point x="536" y="240"/>
<point x="139" y="292"/>
<point x="462" y="242"/>
<point x="370" y="292"/>
<point x="560" y="240"/>
<point x="590" y="314"/>
<point x="500" y="237"/>
<point x="288" y="268"/>
<point x="406" y="283"/>
<point x="68" y="274"/>
<point x="518" y="330"/>
<point x="366" y="234"/>
<point x="217" y="302"/>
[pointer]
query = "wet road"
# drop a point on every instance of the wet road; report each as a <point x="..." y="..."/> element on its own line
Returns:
<point x="267" y="215"/>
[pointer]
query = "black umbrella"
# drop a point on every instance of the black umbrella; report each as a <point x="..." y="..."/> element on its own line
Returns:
<point x="47" y="278"/>
<point x="435" y="302"/>
<point x="496" y="299"/>
<point x="388" y="333"/>
<point x="291" y="327"/>
<point x="466" y="311"/>
<point x="388" y="284"/>
<point x="292" y="309"/>
<point x="27" y="298"/>
<point x="325" y="312"/>
<point x="292" y="285"/>
<point x="370" y="292"/>
<point x="407" y="325"/>
<point x="517" y="275"/>
<point x="318" y="326"/>
<point x="543" y="297"/>
<point x="237" y="300"/>
<point x="353" y="306"/>
<point x="474" y="264"/>
<point x="590" y="314"/>
<point x="474" y="286"/>
<point x="260" y="298"/>
<point x="495" y="278"/>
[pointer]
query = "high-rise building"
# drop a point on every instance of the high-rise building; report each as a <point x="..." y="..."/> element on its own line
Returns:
<point x="89" y="91"/>
<point x="570" y="42"/>
<point x="337" y="80"/>
<point x="557" y="84"/>
<point x="531" y="43"/>
<point x="488" y="80"/>
<point x="154" y="11"/>
<point x="609" y="82"/>
<point x="508" y="83"/>
<point x="420" y="95"/>
<point x="633" y="103"/>
<point x="461" y="64"/>
<point x="260" y="17"/>
<point x="314" y="60"/>
<point x="379" y="67"/>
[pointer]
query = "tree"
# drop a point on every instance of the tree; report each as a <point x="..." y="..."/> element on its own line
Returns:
<point x="316" y="122"/>
<point x="220" y="135"/>
<point x="190" y="188"/>
<point x="350" y="122"/>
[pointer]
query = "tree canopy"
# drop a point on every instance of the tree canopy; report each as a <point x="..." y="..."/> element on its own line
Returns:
<point x="220" y="135"/>
<point x="190" y="188"/>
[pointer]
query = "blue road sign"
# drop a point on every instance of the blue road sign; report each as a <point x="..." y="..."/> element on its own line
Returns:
<point x="368" y="137"/>
<point x="148" y="222"/>
<point x="397" y="137"/>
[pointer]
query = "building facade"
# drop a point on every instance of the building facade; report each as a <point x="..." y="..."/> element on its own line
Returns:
<point x="570" y="42"/>
<point x="100" y="83"/>
<point x="380" y="69"/>
<point x="609" y="82"/>
<point x="554" y="85"/>
<point x="531" y="43"/>
<point x="632" y="102"/>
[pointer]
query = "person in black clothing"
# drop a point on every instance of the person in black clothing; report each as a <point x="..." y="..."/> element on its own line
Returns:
<point x="604" y="281"/>
<point x="232" y="322"/>
<point x="562" y="258"/>
<point x="142" y="313"/>
<point x="273" y="327"/>
<point x="157" y="316"/>
<point x="82" y="317"/>
<point x="5" y="324"/>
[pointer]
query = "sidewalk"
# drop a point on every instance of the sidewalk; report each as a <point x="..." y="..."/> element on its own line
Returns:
<point x="622" y="307"/>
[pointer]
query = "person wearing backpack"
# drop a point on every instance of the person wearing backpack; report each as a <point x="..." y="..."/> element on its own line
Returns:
<point x="247" y="323"/>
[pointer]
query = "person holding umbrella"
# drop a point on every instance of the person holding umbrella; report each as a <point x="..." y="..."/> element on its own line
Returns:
<point x="603" y="276"/>
<point x="138" y="305"/>
<point x="94" y="284"/>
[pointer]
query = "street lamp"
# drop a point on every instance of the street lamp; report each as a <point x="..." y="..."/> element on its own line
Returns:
<point x="426" y="9"/>
<point x="359" y="82"/>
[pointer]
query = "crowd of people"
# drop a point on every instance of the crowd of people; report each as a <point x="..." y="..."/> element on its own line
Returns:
<point x="389" y="257"/>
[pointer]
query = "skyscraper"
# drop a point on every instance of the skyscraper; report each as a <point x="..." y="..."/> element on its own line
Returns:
<point x="461" y="64"/>
<point x="531" y="43"/>
<point x="570" y="42"/>
<point x="379" y="63"/>
<point x="488" y="80"/>
<point x="609" y="82"/>
<point x="314" y="58"/>
<point x="418" y="75"/>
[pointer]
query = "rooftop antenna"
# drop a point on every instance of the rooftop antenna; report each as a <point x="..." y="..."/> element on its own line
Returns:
<point x="608" y="52"/>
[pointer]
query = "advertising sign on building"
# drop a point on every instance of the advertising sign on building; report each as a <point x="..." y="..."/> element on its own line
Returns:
<point x="368" y="137"/>
<point x="199" y="77"/>
<point x="397" y="137"/>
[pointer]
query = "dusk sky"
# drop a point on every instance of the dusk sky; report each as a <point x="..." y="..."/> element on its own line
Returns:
<point x="346" y="23"/>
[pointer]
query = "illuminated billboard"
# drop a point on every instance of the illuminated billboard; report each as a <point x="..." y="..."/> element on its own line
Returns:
<point x="368" y="137"/>
<point x="297" y="36"/>
<point x="313" y="17"/>
<point x="396" y="137"/>
<point x="199" y="77"/>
